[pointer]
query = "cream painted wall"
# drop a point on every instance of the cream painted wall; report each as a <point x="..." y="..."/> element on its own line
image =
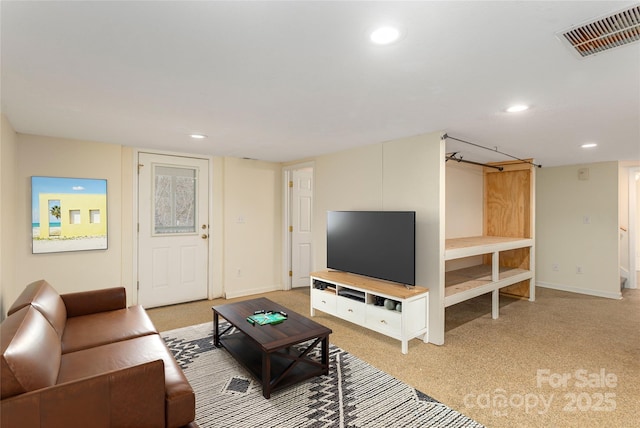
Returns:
<point x="8" y="218"/>
<point x="81" y="270"/>
<point x="414" y="179"/>
<point x="404" y="174"/>
<point x="241" y="188"/>
<point x="348" y="180"/>
<point x="562" y="237"/>
<point x="464" y="194"/>
<point x="392" y="175"/>
<point x="127" y="222"/>
<point x="637" y="233"/>
<point x="464" y="207"/>
<point x="623" y="219"/>
<point x="216" y="228"/>
<point x="252" y="227"/>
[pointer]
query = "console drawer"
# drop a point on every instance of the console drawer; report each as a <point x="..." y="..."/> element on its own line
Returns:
<point x="324" y="301"/>
<point x="384" y="320"/>
<point x="351" y="310"/>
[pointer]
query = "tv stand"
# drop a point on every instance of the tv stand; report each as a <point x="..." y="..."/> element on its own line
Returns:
<point x="357" y="298"/>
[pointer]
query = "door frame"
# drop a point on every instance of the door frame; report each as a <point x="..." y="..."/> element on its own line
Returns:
<point x="212" y="292"/>
<point x="633" y="227"/>
<point x="287" y="175"/>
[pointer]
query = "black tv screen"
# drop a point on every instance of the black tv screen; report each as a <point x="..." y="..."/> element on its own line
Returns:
<point x="379" y="244"/>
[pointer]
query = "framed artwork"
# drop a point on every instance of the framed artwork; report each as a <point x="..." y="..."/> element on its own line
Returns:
<point x="68" y="214"/>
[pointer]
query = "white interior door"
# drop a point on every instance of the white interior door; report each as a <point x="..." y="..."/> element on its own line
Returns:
<point x="301" y="204"/>
<point x="173" y="229"/>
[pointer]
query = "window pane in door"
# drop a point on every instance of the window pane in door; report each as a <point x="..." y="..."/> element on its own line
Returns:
<point x="174" y="200"/>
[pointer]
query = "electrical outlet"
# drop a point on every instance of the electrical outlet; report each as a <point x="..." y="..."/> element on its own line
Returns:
<point x="579" y="269"/>
<point x="239" y="273"/>
<point x="555" y="267"/>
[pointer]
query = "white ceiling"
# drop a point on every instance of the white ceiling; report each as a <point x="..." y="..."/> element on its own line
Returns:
<point x="282" y="81"/>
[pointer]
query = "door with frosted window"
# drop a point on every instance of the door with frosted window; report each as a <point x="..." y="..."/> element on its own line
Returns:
<point x="173" y="229"/>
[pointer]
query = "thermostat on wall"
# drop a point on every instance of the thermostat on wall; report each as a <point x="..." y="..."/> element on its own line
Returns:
<point x="583" y="174"/>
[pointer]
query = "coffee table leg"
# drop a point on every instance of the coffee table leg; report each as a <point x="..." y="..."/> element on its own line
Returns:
<point x="325" y="354"/>
<point x="266" y="375"/>
<point x="216" y="335"/>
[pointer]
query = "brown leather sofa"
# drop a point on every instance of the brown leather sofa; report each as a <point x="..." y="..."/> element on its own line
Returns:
<point x="85" y="359"/>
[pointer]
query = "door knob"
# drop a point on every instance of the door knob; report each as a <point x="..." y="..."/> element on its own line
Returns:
<point x="205" y="236"/>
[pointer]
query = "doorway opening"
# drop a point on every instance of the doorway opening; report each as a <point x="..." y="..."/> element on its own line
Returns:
<point x="298" y="223"/>
<point x="173" y="244"/>
<point x="634" y="228"/>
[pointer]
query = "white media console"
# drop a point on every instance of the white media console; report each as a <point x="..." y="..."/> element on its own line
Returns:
<point x="358" y="299"/>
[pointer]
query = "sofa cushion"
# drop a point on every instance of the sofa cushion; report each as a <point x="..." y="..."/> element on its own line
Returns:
<point x="101" y="328"/>
<point x="45" y="299"/>
<point x="131" y="397"/>
<point x="30" y="352"/>
<point x="94" y="301"/>
<point x="180" y="399"/>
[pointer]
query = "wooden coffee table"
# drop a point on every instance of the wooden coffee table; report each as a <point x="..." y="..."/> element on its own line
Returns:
<point x="268" y="351"/>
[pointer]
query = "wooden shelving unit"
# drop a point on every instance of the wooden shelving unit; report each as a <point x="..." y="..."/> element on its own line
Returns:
<point x="467" y="283"/>
<point x="507" y="246"/>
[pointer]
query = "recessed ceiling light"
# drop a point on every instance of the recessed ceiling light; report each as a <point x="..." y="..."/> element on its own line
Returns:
<point x="517" y="108"/>
<point x="198" y="136"/>
<point x="385" y="35"/>
<point x="589" y="145"/>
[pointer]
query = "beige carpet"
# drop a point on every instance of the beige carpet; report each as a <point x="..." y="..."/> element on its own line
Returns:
<point x="352" y="394"/>
<point x="566" y="360"/>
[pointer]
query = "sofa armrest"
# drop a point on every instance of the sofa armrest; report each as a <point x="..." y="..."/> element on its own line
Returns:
<point x="94" y="301"/>
<point x="130" y="397"/>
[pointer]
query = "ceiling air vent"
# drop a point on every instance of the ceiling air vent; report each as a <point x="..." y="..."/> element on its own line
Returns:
<point x="605" y="33"/>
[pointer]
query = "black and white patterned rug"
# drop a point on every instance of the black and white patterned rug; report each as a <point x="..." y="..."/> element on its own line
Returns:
<point x="354" y="394"/>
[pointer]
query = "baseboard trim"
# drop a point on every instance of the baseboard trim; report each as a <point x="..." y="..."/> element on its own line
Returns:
<point x="249" y="292"/>
<point x="571" y="289"/>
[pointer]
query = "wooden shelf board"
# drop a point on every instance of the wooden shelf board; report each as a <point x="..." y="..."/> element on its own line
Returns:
<point x="464" y="284"/>
<point x="371" y="285"/>
<point x="456" y="248"/>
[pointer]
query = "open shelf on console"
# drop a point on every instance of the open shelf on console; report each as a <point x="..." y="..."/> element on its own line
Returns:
<point x="360" y="300"/>
<point x="371" y="285"/>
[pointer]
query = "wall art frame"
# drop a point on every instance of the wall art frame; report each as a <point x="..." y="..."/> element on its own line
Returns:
<point x="68" y="214"/>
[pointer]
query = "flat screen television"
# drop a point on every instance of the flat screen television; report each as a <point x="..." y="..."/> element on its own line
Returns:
<point x="379" y="244"/>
